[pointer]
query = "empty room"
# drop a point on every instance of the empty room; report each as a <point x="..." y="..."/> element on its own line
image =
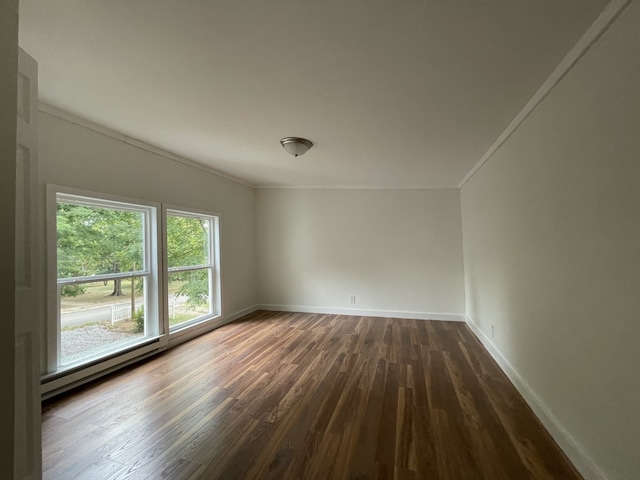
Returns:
<point x="320" y="240"/>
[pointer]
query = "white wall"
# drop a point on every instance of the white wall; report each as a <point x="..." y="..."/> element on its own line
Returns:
<point x="551" y="229"/>
<point x="8" y="106"/>
<point x="78" y="157"/>
<point x="395" y="250"/>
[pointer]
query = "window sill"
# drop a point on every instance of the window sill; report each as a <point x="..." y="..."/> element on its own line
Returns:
<point x="74" y="375"/>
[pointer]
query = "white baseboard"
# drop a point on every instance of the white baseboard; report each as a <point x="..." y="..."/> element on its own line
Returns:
<point x="206" y="327"/>
<point x="580" y="459"/>
<point x="450" y="317"/>
<point x="239" y="314"/>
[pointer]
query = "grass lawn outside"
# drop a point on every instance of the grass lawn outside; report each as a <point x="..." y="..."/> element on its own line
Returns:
<point x="99" y="294"/>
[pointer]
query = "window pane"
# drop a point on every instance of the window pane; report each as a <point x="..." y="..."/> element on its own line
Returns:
<point x="189" y="295"/>
<point x="96" y="317"/>
<point x="187" y="241"/>
<point x="98" y="240"/>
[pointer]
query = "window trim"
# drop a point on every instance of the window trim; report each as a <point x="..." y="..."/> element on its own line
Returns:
<point x="215" y="280"/>
<point x="153" y="271"/>
<point x="57" y="378"/>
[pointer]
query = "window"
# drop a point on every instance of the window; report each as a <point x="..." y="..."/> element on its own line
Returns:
<point x="105" y="276"/>
<point x="191" y="243"/>
<point x="106" y="296"/>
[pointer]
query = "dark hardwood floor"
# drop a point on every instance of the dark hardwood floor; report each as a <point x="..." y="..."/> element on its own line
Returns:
<point x="305" y="396"/>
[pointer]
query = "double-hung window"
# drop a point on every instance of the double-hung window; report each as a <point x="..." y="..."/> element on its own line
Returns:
<point x="124" y="274"/>
<point x="191" y="259"/>
<point x="106" y="278"/>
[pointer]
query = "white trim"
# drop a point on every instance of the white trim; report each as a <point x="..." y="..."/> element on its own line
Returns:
<point x="448" y="317"/>
<point x="595" y="31"/>
<point x="214" y="267"/>
<point x="578" y="456"/>
<point x="61" y="382"/>
<point x="152" y="259"/>
<point x="189" y="268"/>
<point x="352" y="187"/>
<point x="239" y="314"/>
<point x="91" y="201"/>
<point x="97" y="198"/>
<point x="134" y="142"/>
<point x="51" y="332"/>
<point x="102" y="277"/>
<point x="189" y="212"/>
<point x="187" y="334"/>
<point x="193" y="330"/>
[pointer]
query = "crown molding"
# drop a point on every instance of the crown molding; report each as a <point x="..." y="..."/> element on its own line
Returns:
<point x="351" y="187"/>
<point x="134" y="142"/>
<point x="595" y="31"/>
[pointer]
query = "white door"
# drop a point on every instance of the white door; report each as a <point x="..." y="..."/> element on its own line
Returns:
<point x="27" y="439"/>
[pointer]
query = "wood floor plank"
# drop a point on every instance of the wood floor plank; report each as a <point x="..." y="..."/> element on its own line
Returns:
<point x="305" y="396"/>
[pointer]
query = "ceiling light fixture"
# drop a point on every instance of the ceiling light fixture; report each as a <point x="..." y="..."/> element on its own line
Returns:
<point x="296" y="146"/>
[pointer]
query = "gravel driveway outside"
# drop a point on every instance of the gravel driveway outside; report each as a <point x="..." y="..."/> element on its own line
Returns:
<point x="78" y="342"/>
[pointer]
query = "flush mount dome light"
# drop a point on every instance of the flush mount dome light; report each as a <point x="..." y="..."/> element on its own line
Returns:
<point x="296" y="146"/>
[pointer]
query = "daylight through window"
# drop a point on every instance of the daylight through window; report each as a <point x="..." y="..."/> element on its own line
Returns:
<point x="190" y="266"/>
<point x="108" y="278"/>
<point x="103" y="276"/>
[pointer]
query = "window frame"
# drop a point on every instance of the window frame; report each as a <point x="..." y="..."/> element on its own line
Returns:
<point x="215" y="284"/>
<point x="151" y="272"/>
<point x="57" y="377"/>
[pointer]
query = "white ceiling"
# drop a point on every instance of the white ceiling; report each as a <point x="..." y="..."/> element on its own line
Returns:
<point x="405" y="93"/>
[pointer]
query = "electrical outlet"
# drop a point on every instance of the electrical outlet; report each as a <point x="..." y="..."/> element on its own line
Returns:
<point x="352" y="299"/>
